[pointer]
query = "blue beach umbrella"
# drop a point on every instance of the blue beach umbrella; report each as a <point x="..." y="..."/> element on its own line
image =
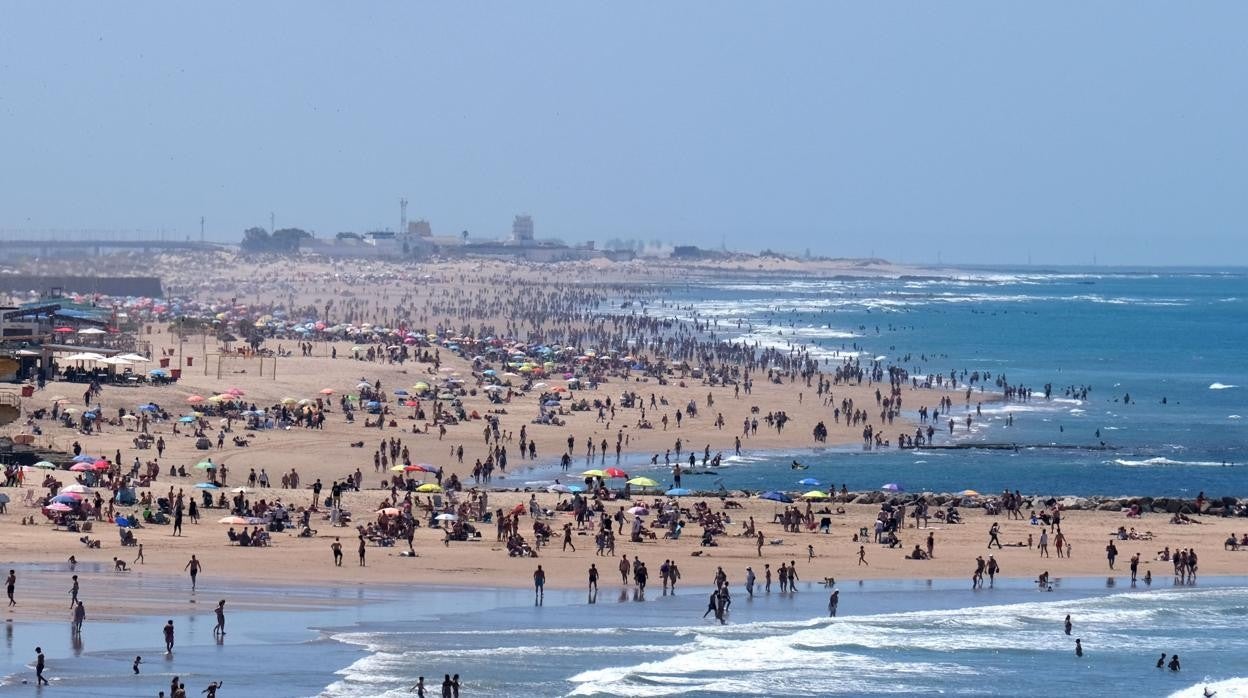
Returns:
<point x="187" y="419"/>
<point x="893" y="487"/>
<point x="679" y="492"/>
<point x="809" y="482"/>
<point x="84" y="458"/>
<point x="206" y="486"/>
<point x="776" y="497"/>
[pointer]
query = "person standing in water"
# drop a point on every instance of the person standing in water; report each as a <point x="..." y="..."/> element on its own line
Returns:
<point x="169" y="637"/>
<point x="833" y="601"/>
<point x="219" y="628"/>
<point x="539" y="585"/>
<point x="1078" y="647"/>
<point x="1068" y="625"/>
<point x="1161" y="662"/>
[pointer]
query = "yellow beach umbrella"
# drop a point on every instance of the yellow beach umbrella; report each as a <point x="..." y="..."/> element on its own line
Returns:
<point x="429" y="487"/>
<point x="643" y="482"/>
<point x="594" y="473"/>
<point x="815" y="494"/>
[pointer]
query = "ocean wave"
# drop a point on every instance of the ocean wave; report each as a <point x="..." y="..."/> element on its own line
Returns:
<point x="1226" y="688"/>
<point x="832" y="651"/>
<point x="1162" y="461"/>
<point x="1221" y="386"/>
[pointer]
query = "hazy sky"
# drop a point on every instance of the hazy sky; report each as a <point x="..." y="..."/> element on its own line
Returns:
<point x="985" y="131"/>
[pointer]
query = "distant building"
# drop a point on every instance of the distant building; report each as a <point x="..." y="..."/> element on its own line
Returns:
<point x="522" y="229"/>
<point x="420" y="229"/>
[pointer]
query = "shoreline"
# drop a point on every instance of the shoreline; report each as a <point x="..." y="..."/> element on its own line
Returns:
<point x="341" y="632"/>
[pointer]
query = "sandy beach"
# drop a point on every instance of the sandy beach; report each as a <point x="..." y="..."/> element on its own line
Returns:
<point x="470" y="297"/>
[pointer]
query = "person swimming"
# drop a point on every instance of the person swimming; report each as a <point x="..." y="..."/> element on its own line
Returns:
<point x="1174" y="663"/>
<point x="1078" y="647"/>
<point x="1161" y="663"/>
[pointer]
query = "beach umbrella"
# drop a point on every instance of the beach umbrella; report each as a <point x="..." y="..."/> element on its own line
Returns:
<point x="195" y="399"/>
<point x="82" y="467"/>
<point x="65" y="499"/>
<point x="560" y="489"/>
<point x="679" y="492"/>
<point x="327" y="391"/>
<point x="76" y="489"/>
<point x="809" y="482"/>
<point x="63" y="330"/>
<point x="594" y="473"/>
<point x="186" y="419"/>
<point x="616" y="472"/>
<point x="233" y="520"/>
<point x="289" y="401"/>
<point x="639" y="511"/>
<point x="84" y="458"/>
<point x="45" y="465"/>
<point x="149" y="407"/>
<point x="968" y="493"/>
<point x="643" y="482"/>
<point x="429" y="487"/>
<point x="446" y="517"/>
<point x="91" y="330"/>
<point x="207" y="486"/>
<point x="362" y="385"/>
<point x="815" y="494"/>
<point x="59" y="507"/>
<point x="776" y="497"/>
<point x="398" y="468"/>
<point x="892" y="487"/>
<point x="576" y="488"/>
<point x="206" y="465"/>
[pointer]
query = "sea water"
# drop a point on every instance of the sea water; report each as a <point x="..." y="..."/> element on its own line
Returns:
<point x="1177" y="336"/>
<point x="910" y="637"/>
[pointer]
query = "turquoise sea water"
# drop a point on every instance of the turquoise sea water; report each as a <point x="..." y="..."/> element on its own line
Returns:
<point x="1176" y="335"/>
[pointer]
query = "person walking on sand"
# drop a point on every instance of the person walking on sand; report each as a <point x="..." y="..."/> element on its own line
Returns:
<point x="993" y="534"/>
<point x="362" y="551"/>
<point x="195" y="567"/>
<point x="336" y="547"/>
<point x="1111" y="553"/>
<point x="40" y="665"/>
<point x="219" y="628"/>
<point x="862" y="555"/>
<point x="1044" y="543"/>
<point x="169" y="637"/>
<point x="139" y="559"/>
